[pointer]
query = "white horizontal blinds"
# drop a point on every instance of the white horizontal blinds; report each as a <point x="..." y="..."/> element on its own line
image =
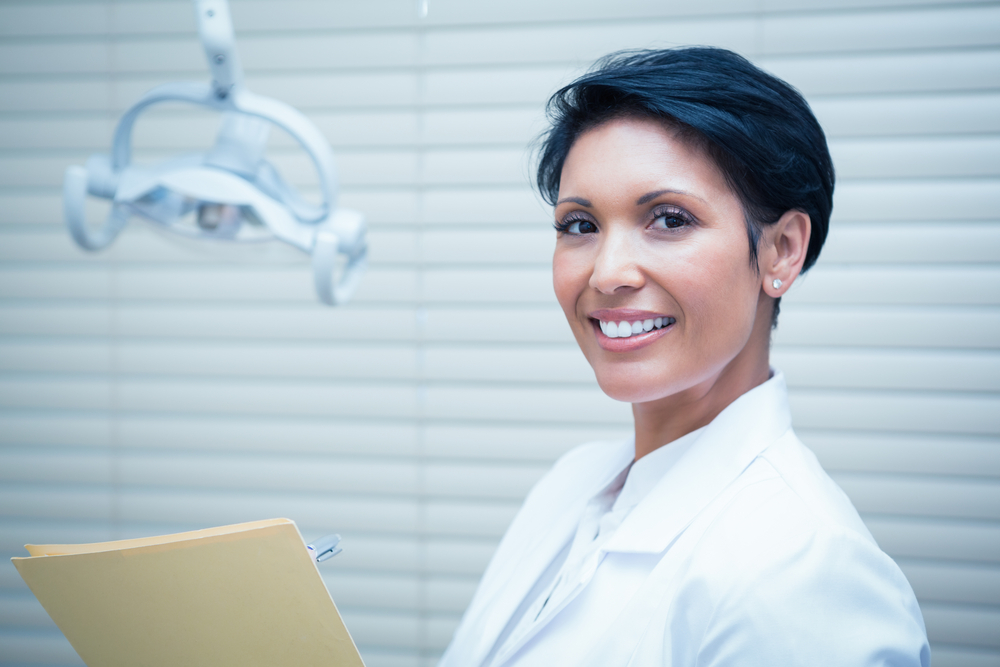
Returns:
<point x="163" y="386"/>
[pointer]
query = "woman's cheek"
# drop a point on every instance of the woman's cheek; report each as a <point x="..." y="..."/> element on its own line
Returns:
<point x="568" y="279"/>
<point x="717" y="297"/>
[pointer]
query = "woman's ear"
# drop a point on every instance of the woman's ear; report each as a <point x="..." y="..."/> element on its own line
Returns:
<point x="784" y="252"/>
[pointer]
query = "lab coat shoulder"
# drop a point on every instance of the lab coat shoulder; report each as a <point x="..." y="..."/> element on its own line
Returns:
<point x="785" y="572"/>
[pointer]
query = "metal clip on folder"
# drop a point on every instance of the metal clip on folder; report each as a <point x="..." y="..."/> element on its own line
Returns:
<point x="325" y="548"/>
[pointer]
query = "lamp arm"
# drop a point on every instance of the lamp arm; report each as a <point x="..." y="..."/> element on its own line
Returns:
<point x="215" y="27"/>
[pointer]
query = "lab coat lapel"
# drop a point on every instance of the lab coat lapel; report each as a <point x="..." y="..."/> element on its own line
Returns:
<point x="523" y="561"/>
<point x="722" y="452"/>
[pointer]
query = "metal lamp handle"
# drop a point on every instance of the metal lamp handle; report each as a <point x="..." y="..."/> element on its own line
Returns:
<point x="333" y="286"/>
<point x="74" y="210"/>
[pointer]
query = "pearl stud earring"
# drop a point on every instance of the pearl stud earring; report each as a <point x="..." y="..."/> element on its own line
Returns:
<point x="776" y="283"/>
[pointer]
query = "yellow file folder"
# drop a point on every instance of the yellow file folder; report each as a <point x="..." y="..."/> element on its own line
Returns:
<point x="245" y="595"/>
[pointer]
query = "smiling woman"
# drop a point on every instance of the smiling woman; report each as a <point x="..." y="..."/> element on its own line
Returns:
<point x="691" y="189"/>
<point x="659" y="234"/>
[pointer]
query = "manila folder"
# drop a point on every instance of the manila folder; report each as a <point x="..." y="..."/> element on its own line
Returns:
<point x="246" y="595"/>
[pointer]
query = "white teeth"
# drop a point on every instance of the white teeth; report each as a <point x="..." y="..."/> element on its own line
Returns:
<point x="627" y="329"/>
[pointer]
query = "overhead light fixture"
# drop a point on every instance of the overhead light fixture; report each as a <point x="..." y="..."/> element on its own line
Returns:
<point x="231" y="192"/>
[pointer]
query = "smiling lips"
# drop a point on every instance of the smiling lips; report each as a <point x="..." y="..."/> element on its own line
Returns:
<point x="624" y="330"/>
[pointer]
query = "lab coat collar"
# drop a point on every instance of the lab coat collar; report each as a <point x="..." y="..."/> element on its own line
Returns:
<point x="580" y="480"/>
<point x="722" y="451"/>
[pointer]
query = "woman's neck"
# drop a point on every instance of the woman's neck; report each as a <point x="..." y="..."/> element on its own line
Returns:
<point x="664" y="420"/>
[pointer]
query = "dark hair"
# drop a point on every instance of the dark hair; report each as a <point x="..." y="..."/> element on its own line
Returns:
<point x="757" y="128"/>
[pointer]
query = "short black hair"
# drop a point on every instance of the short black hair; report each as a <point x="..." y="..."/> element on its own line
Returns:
<point x="758" y="129"/>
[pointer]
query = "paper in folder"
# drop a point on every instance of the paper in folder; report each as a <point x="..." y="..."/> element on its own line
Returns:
<point x="245" y="595"/>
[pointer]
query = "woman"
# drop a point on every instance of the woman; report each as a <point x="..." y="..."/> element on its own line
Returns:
<point x="691" y="189"/>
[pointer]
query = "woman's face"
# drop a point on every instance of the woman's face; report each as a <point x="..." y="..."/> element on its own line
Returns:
<point x="652" y="264"/>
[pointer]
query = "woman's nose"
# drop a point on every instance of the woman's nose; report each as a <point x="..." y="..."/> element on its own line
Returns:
<point x="616" y="265"/>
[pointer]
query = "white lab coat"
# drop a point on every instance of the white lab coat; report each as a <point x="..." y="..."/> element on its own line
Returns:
<point x="745" y="553"/>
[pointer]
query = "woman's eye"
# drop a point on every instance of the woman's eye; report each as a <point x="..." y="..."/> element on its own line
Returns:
<point x="573" y="227"/>
<point x="670" y="220"/>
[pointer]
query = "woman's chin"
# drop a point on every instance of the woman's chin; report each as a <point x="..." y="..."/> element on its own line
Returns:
<point x="645" y="384"/>
<point x="630" y="389"/>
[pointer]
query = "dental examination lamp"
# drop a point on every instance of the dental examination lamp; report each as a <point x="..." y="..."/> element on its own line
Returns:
<point x="231" y="192"/>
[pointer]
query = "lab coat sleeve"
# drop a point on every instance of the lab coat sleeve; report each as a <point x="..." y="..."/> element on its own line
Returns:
<point x="826" y="596"/>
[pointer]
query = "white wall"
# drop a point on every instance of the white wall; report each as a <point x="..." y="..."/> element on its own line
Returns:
<point x="160" y="387"/>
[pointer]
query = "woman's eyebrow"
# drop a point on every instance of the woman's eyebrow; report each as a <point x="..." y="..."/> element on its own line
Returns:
<point x="576" y="200"/>
<point x="653" y="195"/>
